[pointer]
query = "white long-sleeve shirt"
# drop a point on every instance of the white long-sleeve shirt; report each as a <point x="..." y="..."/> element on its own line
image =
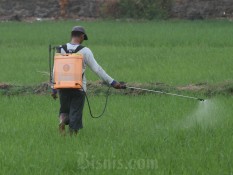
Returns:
<point x="89" y="60"/>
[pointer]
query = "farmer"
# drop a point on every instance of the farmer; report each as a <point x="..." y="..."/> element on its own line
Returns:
<point x="72" y="100"/>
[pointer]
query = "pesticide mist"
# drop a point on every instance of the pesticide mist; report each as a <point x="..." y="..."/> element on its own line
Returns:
<point x="206" y="114"/>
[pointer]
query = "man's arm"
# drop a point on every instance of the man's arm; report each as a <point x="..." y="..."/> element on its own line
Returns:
<point x="95" y="67"/>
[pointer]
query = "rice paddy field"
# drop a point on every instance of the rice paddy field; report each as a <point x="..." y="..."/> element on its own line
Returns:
<point x="139" y="134"/>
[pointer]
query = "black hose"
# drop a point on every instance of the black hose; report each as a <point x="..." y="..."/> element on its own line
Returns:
<point x="105" y="105"/>
<point x="89" y="106"/>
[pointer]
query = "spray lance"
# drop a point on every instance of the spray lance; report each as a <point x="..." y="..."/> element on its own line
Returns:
<point x="166" y="93"/>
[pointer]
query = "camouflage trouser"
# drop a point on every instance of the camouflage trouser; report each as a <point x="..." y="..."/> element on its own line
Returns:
<point x="71" y="107"/>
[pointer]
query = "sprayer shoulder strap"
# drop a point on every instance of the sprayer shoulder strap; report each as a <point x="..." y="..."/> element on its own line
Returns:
<point x="64" y="47"/>
<point x="80" y="47"/>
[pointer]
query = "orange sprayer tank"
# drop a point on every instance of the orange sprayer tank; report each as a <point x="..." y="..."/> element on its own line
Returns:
<point x="68" y="71"/>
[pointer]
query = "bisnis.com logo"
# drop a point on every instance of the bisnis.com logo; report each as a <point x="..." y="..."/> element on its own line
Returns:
<point x="86" y="161"/>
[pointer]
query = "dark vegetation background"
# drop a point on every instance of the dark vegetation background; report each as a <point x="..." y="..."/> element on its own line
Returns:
<point x="134" y="9"/>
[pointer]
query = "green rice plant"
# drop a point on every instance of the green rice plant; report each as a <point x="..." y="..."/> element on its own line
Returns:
<point x="172" y="52"/>
<point x="149" y="134"/>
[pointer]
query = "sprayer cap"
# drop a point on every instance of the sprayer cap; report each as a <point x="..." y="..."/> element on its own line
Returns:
<point x="80" y="29"/>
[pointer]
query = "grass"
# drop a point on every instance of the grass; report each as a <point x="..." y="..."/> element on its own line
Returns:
<point x="201" y="51"/>
<point x="150" y="128"/>
<point x="145" y="134"/>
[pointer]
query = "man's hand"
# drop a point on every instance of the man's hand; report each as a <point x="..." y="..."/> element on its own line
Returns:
<point x="54" y="94"/>
<point x="118" y="85"/>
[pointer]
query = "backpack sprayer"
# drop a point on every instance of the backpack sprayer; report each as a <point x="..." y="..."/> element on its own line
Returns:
<point x="67" y="73"/>
<point x="67" y="69"/>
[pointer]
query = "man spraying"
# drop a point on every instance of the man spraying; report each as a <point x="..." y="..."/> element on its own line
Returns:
<point x="72" y="99"/>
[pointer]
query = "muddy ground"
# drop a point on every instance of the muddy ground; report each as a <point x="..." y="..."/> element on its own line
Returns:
<point x="98" y="87"/>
